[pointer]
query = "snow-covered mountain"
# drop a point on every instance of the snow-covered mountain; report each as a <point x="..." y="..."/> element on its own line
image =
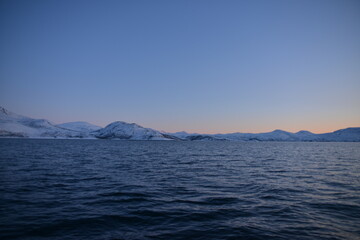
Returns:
<point x="182" y="134"/>
<point x="14" y="125"/>
<point x="203" y="137"/>
<point x="84" y="127"/>
<point x="277" y="135"/>
<point x="130" y="131"/>
<point x="344" y="135"/>
<point x="196" y="136"/>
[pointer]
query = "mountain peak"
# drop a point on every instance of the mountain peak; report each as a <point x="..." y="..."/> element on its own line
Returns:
<point x="7" y="115"/>
<point x="4" y="111"/>
<point x="122" y="123"/>
<point x="302" y="132"/>
<point x="279" y="131"/>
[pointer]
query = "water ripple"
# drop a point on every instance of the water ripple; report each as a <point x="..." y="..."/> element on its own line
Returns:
<point x="83" y="189"/>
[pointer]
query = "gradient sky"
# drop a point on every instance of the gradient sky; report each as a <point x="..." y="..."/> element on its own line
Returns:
<point x="199" y="65"/>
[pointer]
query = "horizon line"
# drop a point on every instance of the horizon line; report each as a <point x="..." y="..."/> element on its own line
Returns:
<point x="189" y="132"/>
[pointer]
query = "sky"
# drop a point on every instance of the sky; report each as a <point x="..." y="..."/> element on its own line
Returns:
<point x="199" y="66"/>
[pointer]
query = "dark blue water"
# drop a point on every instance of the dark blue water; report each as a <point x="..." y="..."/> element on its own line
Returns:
<point x="93" y="189"/>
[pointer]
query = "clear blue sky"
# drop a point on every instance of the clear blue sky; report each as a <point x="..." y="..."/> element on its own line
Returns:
<point x="199" y="66"/>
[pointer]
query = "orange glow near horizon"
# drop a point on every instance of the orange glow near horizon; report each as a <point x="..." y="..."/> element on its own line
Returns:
<point x="315" y="128"/>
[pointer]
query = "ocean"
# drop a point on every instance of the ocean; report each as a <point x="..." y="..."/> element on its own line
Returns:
<point x="102" y="189"/>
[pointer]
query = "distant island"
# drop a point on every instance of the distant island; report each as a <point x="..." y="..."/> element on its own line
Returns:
<point x="17" y="126"/>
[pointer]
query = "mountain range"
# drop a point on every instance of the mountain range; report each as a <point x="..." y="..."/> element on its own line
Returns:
<point x="15" y="125"/>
